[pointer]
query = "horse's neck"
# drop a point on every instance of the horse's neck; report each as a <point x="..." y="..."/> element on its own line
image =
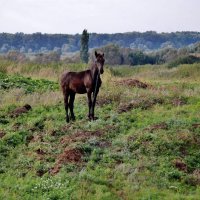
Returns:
<point x="94" y="71"/>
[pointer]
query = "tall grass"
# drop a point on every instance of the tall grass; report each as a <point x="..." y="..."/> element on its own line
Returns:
<point x="185" y="72"/>
<point x="19" y="97"/>
<point x="50" y="71"/>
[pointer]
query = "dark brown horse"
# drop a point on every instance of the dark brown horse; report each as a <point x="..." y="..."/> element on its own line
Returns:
<point x="87" y="81"/>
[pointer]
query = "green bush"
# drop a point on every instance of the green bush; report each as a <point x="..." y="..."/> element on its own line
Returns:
<point x="184" y="60"/>
<point x="14" y="139"/>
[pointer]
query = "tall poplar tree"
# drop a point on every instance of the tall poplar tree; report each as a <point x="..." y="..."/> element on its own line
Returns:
<point x="84" y="46"/>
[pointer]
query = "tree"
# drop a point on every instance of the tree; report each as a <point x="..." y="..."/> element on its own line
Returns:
<point x="113" y="54"/>
<point x="137" y="58"/>
<point x="84" y="46"/>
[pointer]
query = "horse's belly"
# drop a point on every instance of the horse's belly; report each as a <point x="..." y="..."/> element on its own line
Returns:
<point x="80" y="89"/>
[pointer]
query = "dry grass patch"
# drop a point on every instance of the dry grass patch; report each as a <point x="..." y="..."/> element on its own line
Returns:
<point x="18" y="97"/>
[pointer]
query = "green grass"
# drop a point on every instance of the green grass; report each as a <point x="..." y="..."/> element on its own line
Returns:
<point x="27" y="84"/>
<point x="125" y="155"/>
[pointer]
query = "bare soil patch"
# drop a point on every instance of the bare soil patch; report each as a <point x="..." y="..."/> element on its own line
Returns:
<point x="75" y="155"/>
<point x="158" y="126"/>
<point x="133" y="83"/>
<point x="139" y="103"/>
<point x="2" y="133"/>
<point x="21" y="110"/>
<point x="68" y="156"/>
<point x="178" y="101"/>
<point x="81" y="136"/>
<point x="196" y="125"/>
<point x="101" y="101"/>
<point x="34" y="138"/>
<point x="180" y="165"/>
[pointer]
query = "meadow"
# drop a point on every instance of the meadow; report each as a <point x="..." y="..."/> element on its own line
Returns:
<point x="144" y="144"/>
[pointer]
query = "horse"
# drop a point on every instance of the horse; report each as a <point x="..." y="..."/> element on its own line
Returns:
<point x="87" y="81"/>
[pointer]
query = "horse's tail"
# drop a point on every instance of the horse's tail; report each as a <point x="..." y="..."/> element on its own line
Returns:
<point x="64" y="82"/>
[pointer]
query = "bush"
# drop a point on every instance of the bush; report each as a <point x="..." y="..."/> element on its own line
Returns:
<point x="13" y="139"/>
<point x="113" y="55"/>
<point x="140" y="58"/>
<point x="184" y="60"/>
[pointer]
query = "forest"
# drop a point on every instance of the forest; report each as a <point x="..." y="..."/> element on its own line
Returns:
<point x="150" y="40"/>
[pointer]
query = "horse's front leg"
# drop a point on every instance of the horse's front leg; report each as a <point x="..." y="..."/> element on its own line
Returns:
<point x="94" y="103"/>
<point x="71" y="105"/>
<point x="89" y="103"/>
<point x="66" y="97"/>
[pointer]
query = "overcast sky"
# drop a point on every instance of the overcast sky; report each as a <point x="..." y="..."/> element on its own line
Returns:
<point x="100" y="16"/>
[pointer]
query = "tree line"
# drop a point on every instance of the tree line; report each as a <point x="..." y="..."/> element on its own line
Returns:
<point x="115" y="55"/>
<point x="43" y="43"/>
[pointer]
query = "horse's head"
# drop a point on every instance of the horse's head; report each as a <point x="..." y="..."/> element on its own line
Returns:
<point x="100" y="61"/>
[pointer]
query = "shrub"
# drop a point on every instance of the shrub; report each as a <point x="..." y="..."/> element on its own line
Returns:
<point x="184" y="60"/>
<point x="13" y="139"/>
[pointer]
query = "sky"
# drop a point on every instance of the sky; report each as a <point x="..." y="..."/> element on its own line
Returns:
<point x="99" y="16"/>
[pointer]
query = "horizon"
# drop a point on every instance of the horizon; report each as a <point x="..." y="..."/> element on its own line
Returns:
<point x="101" y="33"/>
<point x="100" y="16"/>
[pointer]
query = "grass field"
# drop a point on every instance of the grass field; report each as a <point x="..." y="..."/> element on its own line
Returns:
<point x="144" y="145"/>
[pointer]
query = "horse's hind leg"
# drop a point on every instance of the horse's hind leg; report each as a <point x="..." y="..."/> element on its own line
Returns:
<point x="66" y="98"/>
<point x="71" y="105"/>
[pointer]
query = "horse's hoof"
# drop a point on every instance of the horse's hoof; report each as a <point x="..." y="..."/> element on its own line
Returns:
<point x="92" y="118"/>
<point x="67" y="120"/>
<point x="73" y="118"/>
<point x="89" y="117"/>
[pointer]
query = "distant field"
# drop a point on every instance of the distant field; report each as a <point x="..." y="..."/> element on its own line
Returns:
<point x="144" y="145"/>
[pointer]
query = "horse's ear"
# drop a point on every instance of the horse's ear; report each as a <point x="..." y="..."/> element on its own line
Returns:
<point x="103" y="54"/>
<point x="96" y="54"/>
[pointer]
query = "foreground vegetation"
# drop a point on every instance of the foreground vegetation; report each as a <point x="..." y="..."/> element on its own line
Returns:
<point x="144" y="144"/>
